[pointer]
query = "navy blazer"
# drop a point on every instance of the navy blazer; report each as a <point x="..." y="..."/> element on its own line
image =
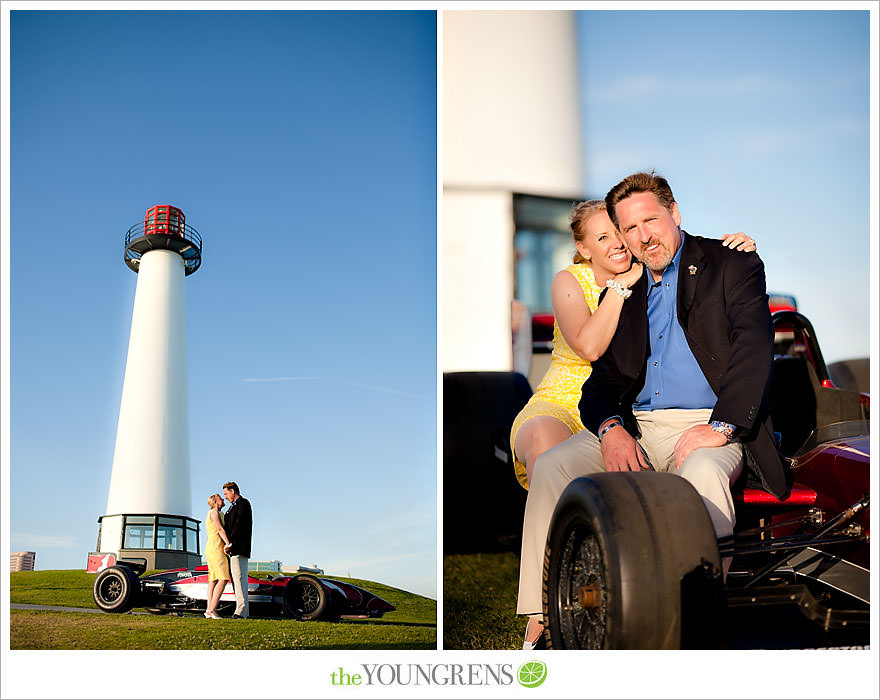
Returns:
<point x="239" y="524"/>
<point x="724" y="311"/>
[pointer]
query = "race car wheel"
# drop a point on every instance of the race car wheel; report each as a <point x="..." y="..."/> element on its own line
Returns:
<point x="116" y="589"/>
<point x="622" y="555"/>
<point x="304" y="598"/>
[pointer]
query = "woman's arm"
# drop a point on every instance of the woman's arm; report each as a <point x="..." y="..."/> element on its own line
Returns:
<point x="588" y="334"/>
<point x="215" y="518"/>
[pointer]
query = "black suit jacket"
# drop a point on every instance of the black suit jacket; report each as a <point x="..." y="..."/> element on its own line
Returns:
<point x="239" y="524"/>
<point x="723" y="309"/>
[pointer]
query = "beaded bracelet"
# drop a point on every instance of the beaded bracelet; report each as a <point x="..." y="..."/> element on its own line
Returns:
<point x="618" y="287"/>
<point x="612" y="424"/>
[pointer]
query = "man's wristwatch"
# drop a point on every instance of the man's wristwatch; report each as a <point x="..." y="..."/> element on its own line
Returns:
<point x="726" y="429"/>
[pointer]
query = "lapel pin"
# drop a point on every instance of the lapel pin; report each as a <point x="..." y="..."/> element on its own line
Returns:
<point x="692" y="269"/>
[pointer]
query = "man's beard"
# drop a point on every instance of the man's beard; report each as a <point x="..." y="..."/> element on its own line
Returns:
<point x="659" y="260"/>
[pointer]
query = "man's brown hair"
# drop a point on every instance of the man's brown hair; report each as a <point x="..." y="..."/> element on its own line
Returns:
<point x="231" y="485"/>
<point x="639" y="182"/>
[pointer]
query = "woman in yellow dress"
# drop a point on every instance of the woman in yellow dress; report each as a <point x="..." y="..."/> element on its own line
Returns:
<point x="218" y="562"/>
<point x="582" y="331"/>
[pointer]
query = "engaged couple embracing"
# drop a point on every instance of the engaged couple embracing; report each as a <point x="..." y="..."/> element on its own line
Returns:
<point x="228" y="549"/>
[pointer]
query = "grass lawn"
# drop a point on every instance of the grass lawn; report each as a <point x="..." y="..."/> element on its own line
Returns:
<point x="479" y="602"/>
<point x="412" y="626"/>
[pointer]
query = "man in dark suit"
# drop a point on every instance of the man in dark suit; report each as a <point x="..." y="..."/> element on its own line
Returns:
<point x="239" y="524"/>
<point x="682" y="386"/>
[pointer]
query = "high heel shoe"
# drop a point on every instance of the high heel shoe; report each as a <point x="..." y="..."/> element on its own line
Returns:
<point x="539" y="640"/>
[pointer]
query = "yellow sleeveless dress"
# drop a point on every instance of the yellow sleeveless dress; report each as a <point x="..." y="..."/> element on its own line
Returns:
<point x="559" y="391"/>
<point x="218" y="562"/>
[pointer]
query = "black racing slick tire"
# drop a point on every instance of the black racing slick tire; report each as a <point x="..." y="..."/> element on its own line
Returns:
<point x="116" y="589"/>
<point x="631" y="563"/>
<point x="304" y="598"/>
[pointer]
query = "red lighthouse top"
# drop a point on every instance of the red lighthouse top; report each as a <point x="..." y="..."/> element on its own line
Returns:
<point x="163" y="218"/>
<point x="164" y="228"/>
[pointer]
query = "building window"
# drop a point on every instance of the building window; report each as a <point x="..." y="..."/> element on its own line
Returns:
<point x="169" y="534"/>
<point x="192" y="539"/>
<point x="542" y="247"/>
<point x="139" y="530"/>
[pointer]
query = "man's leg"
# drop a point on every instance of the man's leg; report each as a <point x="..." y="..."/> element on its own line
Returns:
<point x="238" y="568"/>
<point x="554" y="470"/>
<point x="710" y="470"/>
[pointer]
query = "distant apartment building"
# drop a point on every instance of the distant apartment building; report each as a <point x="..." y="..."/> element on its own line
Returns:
<point x="273" y="566"/>
<point x="300" y="569"/>
<point x="22" y="561"/>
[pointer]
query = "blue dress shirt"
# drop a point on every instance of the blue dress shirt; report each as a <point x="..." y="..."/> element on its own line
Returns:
<point x="674" y="379"/>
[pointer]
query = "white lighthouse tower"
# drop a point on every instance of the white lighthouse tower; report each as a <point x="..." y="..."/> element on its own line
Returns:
<point x="148" y="513"/>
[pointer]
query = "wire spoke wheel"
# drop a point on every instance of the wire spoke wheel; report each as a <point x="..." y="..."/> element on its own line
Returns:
<point x="304" y="598"/>
<point x="621" y="549"/>
<point x="311" y="598"/>
<point x="582" y="607"/>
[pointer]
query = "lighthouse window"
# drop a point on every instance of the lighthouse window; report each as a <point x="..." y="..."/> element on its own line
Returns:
<point x="138" y="532"/>
<point x="168" y="537"/>
<point x="192" y="539"/>
<point x="169" y="534"/>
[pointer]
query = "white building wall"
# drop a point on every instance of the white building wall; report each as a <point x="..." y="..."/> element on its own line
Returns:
<point x="477" y="285"/>
<point x="511" y="123"/>
<point x="110" y="534"/>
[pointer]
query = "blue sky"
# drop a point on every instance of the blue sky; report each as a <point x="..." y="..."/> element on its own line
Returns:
<point x="760" y="121"/>
<point x="302" y="146"/>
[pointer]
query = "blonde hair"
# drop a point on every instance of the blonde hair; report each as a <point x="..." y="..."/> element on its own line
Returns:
<point x="579" y="216"/>
<point x="215" y="501"/>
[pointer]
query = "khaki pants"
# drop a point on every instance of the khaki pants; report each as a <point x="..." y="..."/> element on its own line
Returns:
<point x="238" y="567"/>
<point x="709" y="470"/>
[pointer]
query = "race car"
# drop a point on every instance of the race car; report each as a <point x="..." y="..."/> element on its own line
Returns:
<point x="632" y="561"/>
<point x="119" y="588"/>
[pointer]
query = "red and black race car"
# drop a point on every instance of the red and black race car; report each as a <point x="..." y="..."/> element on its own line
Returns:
<point x="632" y="560"/>
<point x="119" y="588"/>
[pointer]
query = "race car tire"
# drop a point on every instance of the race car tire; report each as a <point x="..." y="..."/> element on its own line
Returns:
<point x="116" y="589"/>
<point x="628" y="556"/>
<point x="304" y="598"/>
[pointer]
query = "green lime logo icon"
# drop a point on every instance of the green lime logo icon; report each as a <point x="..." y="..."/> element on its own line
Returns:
<point x="531" y="674"/>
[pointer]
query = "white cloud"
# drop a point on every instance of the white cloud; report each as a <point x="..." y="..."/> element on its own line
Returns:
<point x="761" y="142"/>
<point x="375" y="387"/>
<point x="278" y="379"/>
<point x="33" y="543"/>
<point x="360" y="385"/>
<point x="647" y="85"/>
